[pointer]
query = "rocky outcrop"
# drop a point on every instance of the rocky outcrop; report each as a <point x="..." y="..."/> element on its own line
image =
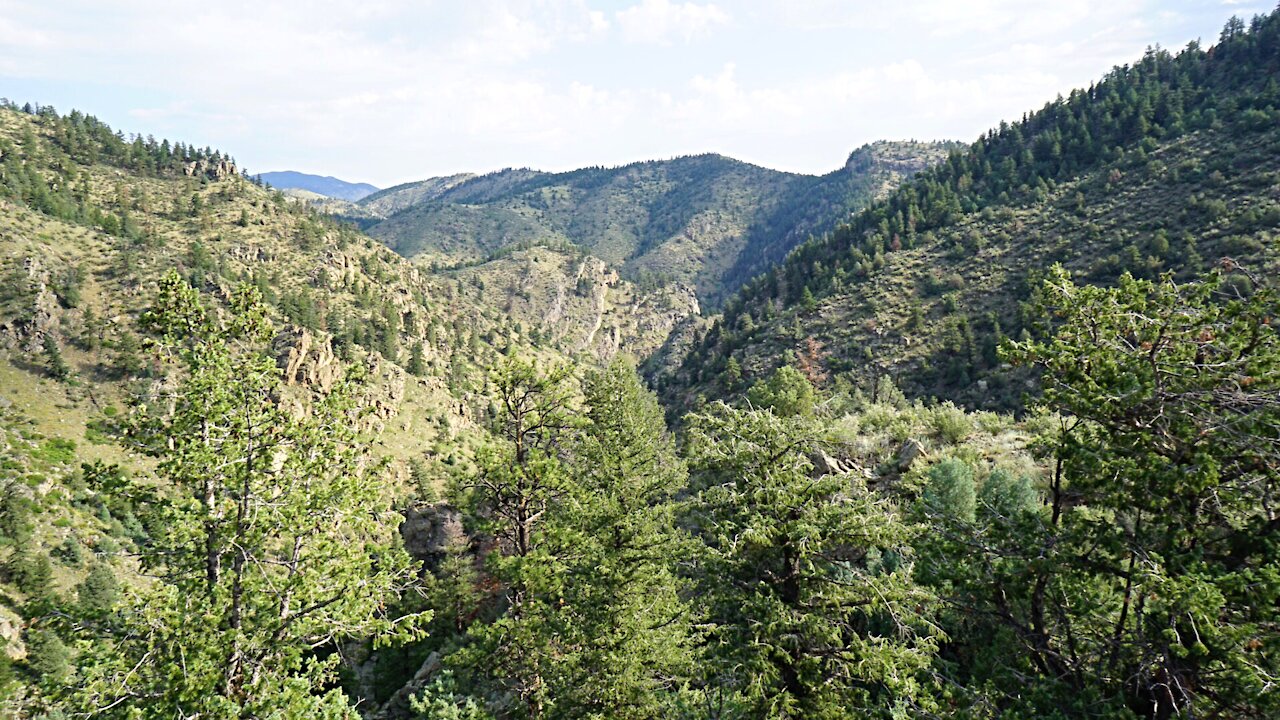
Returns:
<point x="308" y="364"/>
<point x="429" y="531"/>
<point x="910" y="451"/>
<point x="386" y="387"/>
<point x="824" y="464"/>
<point x="27" y="331"/>
<point x="306" y="359"/>
<point x="11" y="635"/>
<point x="397" y="707"/>
<point x="212" y="169"/>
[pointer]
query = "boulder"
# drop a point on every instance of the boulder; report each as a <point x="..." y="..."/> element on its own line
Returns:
<point x="910" y="451"/>
<point x="824" y="464"/>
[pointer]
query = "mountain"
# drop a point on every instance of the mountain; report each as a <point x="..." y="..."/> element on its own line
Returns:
<point x="705" y="221"/>
<point x="396" y="489"/>
<point x="319" y="184"/>
<point x="89" y="223"/>
<point x="1163" y="166"/>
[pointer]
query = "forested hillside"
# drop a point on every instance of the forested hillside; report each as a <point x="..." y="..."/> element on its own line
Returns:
<point x="91" y="223"/>
<point x="1006" y="444"/>
<point x="1167" y="165"/>
<point x="705" y="221"/>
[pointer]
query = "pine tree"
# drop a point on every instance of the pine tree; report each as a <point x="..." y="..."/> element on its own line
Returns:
<point x="807" y="577"/>
<point x="519" y="478"/>
<point x="31" y="570"/>
<point x="99" y="591"/>
<point x="626" y="610"/>
<point x="787" y="392"/>
<point x="53" y="359"/>
<point x="593" y="620"/>
<point x="1145" y="581"/>
<point x="281" y="537"/>
<point x="48" y="658"/>
<point x="732" y="375"/>
<point x="417" y="360"/>
<point x="1172" y="394"/>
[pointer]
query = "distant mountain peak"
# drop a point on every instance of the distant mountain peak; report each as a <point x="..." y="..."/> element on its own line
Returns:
<point x="320" y="184"/>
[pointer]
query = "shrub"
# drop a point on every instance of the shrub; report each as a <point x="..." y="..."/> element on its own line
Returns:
<point x="950" y="490"/>
<point x="950" y="423"/>
<point x="787" y="393"/>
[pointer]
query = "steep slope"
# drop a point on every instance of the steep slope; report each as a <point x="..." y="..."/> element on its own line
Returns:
<point x="319" y="184"/>
<point x="88" y="223"/>
<point x="705" y="221"/>
<point x="1167" y="165"/>
<point x="811" y="209"/>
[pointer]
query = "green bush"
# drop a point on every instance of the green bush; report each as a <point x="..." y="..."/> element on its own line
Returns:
<point x="48" y="658"/>
<point x="950" y="491"/>
<point x="57" y="450"/>
<point x="787" y="393"/>
<point x="950" y="423"/>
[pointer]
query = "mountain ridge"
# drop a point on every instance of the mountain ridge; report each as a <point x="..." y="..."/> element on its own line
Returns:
<point x="325" y="185"/>
<point x="703" y="220"/>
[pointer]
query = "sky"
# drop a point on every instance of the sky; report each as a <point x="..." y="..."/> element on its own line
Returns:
<point x="390" y="91"/>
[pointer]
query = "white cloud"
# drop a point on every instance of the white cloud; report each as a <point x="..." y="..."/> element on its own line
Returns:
<point x="393" y="90"/>
<point x="661" y="21"/>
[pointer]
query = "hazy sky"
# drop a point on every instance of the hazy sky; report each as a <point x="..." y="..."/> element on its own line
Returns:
<point x="385" y="91"/>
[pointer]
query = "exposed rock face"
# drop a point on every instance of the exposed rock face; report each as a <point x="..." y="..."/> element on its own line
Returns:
<point x="430" y="530"/>
<point x="308" y="363"/>
<point x="397" y="706"/>
<point x="11" y="634"/>
<point x="214" y="170"/>
<point x="27" y="332"/>
<point x="306" y="359"/>
<point x="386" y="388"/>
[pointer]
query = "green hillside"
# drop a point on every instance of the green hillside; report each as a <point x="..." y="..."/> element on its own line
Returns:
<point x="1167" y="165"/>
<point x="1002" y="443"/>
<point x="703" y="221"/>
<point x="89" y="223"/>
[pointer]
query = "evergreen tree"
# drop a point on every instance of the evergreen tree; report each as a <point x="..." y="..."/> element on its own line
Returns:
<point x="281" y="537"/>
<point x="31" y="570"/>
<point x="807" y="577"/>
<point x="417" y="360"/>
<point x="1158" y="505"/>
<point x="99" y="591"/>
<point x="787" y="393"/>
<point x="626" y="610"/>
<point x="49" y="658"/>
<point x="53" y="359"/>
<point x="1146" y="583"/>
<point x="731" y="378"/>
<point x="519" y="478"/>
